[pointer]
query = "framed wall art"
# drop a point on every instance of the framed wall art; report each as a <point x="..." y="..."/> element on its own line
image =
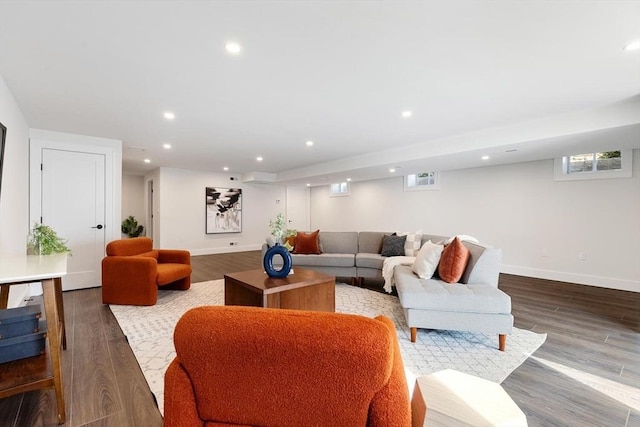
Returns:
<point x="223" y="210"/>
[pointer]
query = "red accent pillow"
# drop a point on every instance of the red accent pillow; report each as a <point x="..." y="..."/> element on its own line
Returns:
<point x="307" y="243"/>
<point x="453" y="261"/>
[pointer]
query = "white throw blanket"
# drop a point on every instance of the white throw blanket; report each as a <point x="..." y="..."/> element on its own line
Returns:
<point x="387" y="269"/>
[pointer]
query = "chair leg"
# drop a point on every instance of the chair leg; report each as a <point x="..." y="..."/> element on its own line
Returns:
<point x="414" y="334"/>
<point x="502" y="342"/>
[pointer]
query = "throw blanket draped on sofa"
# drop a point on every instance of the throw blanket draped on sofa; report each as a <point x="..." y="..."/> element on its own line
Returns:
<point x="387" y="269"/>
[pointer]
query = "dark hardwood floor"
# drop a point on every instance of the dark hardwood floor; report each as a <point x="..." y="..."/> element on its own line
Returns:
<point x="587" y="373"/>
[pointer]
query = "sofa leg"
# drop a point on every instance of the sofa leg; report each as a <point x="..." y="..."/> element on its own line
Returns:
<point x="502" y="342"/>
<point x="414" y="334"/>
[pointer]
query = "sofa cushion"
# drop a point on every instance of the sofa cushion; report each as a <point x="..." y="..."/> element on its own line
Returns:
<point x="323" y="260"/>
<point x="370" y="242"/>
<point x="453" y="261"/>
<point x="169" y="273"/>
<point x="433" y="294"/>
<point x="427" y="260"/>
<point x="393" y="245"/>
<point x="339" y="242"/>
<point x="307" y="243"/>
<point x="364" y="260"/>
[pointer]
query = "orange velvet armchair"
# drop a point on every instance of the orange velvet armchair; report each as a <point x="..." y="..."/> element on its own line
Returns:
<point x="248" y="366"/>
<point x="132" y="271"/>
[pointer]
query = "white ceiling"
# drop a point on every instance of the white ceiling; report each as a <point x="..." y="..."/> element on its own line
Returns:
<point x="481" y="77"/>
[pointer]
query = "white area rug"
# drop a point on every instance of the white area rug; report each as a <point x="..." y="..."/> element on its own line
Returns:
<point x="150" y="334"/>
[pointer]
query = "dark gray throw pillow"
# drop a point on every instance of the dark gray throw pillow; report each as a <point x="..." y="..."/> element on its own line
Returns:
<point x="393" y="245"/>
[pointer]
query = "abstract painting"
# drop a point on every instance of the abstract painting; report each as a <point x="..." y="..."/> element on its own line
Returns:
<point x="224" y="210"/>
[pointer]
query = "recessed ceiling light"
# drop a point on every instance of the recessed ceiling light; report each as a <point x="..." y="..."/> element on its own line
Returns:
<point x="259" y="159"/>
<point x="308" y="185"/>
<point x="225" y="168"/>
<point x="309" y="143"/>
<point x="166" y="146"/>
<point x="485" y="157"/>
<point x="348" y="179"/>
<point x="147" y="161"/>
<point x="392" y="170"/>
<point x="634" y="45"/>
<point x="407" y="114"/>
<point x="233" y="48"/>
<point x="169" y="115"/>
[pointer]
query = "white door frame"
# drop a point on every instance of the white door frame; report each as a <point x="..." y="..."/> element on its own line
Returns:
<point x="110" y="148"/>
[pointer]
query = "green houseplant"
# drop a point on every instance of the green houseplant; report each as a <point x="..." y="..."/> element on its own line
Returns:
<point x="279" y="231"/>
<point x="43" y="240"/>
<point x="130" y="227"/>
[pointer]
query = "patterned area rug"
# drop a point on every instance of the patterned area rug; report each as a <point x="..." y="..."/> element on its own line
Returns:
<point x="150" y="334"/>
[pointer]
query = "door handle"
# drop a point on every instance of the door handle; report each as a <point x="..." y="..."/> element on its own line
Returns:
<point x="99" y="227"/>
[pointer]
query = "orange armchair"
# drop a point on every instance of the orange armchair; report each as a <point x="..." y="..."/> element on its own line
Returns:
<point x="132" y="271"/>
<point x="248" y="366"/>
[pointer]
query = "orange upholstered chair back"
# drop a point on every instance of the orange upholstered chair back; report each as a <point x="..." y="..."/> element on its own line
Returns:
<point x="270" y="367"/>
<point x="129" y="247"/>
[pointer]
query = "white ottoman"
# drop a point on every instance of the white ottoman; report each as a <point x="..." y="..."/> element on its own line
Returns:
<point x="451" y="398"/>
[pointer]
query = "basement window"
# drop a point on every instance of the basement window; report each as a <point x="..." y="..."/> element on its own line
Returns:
<point x="421" y="181"/>
<point x="596" y="165"/>
<point x="340" y="189"/>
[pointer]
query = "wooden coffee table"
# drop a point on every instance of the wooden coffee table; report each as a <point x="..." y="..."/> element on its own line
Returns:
<point x="301" y="290"/>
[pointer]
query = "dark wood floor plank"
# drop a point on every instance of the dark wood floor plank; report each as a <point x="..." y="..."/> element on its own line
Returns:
<point x="137" y="400"/>
<point x="95" y="393"/>
<point x="9" y="408"/>
<point x="38" y="409"/>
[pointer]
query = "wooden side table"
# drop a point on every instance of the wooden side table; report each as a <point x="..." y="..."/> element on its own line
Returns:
<point x="43" y="371"/>
<point x="301" y="290"/>
<point x="453" y="398"/>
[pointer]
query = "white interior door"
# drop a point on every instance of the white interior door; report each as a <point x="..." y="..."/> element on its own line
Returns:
<point x="73" y="203"/>
<point x="298" y="208"/>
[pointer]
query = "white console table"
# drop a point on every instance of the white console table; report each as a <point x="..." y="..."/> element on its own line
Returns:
<point x="43" y="371"/>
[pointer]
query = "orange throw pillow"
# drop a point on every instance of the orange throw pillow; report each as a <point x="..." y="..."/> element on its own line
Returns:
<point x="453" y="261"/>
<point x="307" y="243"/>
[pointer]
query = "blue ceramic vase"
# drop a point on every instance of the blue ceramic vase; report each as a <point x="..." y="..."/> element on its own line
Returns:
<point x="267" y="262"/>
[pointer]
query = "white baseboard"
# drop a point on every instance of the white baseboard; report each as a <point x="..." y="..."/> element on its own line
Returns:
<point x="225" y="249"/>
<point x="582" y="279"/>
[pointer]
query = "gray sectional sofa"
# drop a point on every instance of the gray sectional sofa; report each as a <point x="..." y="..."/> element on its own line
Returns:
<point x="473" y="304"/>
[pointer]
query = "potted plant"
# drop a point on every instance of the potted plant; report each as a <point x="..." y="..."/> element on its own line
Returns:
<point x="43" y="240"/>
<point x="279" y="231"/>
<point x="278" y="227"/>
<point x="130" y="227"/>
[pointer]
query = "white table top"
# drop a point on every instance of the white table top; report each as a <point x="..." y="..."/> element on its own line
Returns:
<point x="27" y="268"/>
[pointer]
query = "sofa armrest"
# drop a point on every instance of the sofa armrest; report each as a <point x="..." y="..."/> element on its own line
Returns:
<point x="484" y="266"/>
<point x="129" y="280"/>
<point x="175" y="256"/>
<point x="180" y="409"/>
<point x="391" y="406"/>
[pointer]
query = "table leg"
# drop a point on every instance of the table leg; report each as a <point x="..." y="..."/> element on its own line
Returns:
<point x="60" y="307"/>
<point x="4" y="296"/>
<point x="50" y="297"/>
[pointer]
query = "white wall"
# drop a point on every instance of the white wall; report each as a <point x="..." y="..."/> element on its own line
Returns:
<point x="133" y="199"/>
<point x="179" y="211"/>
<point x="14" y="197"/>
<point x="541" y="225"/>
